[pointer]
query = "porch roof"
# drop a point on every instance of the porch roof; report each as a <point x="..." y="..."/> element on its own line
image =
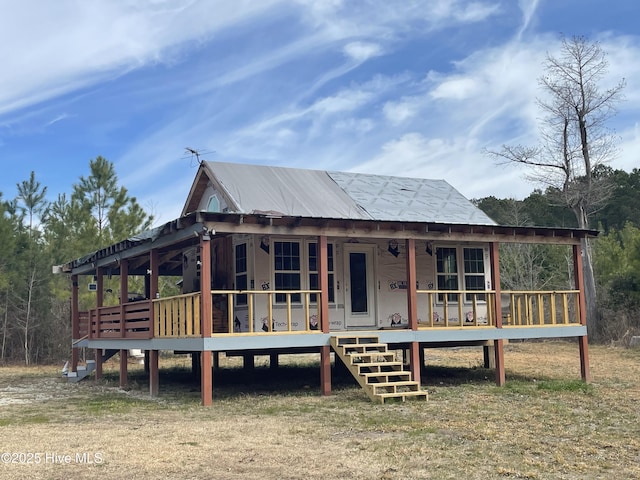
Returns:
<point x="186" y="230"/>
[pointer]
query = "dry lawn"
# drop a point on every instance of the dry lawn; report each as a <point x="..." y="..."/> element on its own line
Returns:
<point x="543" y="425"/>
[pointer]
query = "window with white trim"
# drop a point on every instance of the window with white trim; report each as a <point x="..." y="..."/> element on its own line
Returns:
<point x="286" y="268"/>
<point x="450" y="276"/>
<point x="241" y="272"/>
<point x="474" y="272"/>
<point x="312" y="263"/>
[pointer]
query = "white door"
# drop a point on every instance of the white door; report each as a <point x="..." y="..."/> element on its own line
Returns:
<point x="360" y="289"/>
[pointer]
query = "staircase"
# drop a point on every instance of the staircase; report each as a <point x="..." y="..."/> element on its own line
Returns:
<point x="376" y="369"/>
<point x="82" y="371"/>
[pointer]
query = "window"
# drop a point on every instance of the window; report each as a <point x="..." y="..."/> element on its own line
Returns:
<point x="286" y="257"/>
<point x="313" y="271"/>
<point x="447" y="272"/>
<point x="471" y="277"/>
<point x="241" y="272"/>
<point x="474" y="272"/>
<point x="214" y="204"/>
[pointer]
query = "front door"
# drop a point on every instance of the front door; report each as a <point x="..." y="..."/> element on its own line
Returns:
<point x="360" y="292"/>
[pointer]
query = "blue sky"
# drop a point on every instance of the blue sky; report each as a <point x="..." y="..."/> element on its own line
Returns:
<point x="393" y="87"/>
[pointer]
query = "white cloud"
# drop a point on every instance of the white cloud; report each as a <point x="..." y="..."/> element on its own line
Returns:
<point x="107" y="39"/>
<point x="398" y="112"/>
<point x="362" y="51"/>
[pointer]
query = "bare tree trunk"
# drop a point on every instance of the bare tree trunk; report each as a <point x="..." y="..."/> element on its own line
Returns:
<point x="589" y="287"/>
<point x="27" y="321"/>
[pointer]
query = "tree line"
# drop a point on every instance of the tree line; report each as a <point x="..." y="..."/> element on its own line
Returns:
<point x="616" y="250"/>
<point x="35" y="235"/>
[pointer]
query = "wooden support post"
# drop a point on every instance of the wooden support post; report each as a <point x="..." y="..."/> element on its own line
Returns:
<point x="216" y="360"/>
<point x="154" y="374"/>
<point x="124" y="295"/>
<point x="412" y="284"/>
<point x="98" y="354"/>
<point x="422" y="360"/>
<point x="206" y="318"/>
<point x="583" y="341"/>
<point x="497" y="344"/>
<point x="154" y="292"/>
<point x="75" y="322"/>
<point x="489" y="352"/>
<point x="206" y="302"/>
<point x="273" y="360"/>
<point x="206" y="379"/>
<point x="414" y="359"/>
<point x="124" y="354"/>
<point x="146" y="361"/>
<point x="323" y="283"/>
<point x="196" y="371"/>
<point x="248" y="361"/>
<point x="99" y="299"/>
<point x="325" y="370"/>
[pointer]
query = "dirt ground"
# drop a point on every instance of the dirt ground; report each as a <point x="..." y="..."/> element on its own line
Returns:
<point x="266" y="424"/>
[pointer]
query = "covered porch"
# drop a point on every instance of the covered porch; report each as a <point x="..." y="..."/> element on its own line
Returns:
<point x="207" y="320"/>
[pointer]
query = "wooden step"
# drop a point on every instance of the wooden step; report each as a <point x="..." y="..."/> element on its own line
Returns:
<point x="393" y="387"/>
<point x="355" y="340"/>
<point x="370" y="357"/>
<point x="379" y="367"/>
<point x="375" y="378"/>
<point x="364" y="348"/>
<point x="404" y="396"/>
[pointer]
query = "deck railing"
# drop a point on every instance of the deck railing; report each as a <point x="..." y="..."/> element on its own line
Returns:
<point x="107" y="322"/>
<point x="519" y="308"/>
<point x="453" y="308"/>
<point x="541" y="308"/>
<point x="179" y="316"/>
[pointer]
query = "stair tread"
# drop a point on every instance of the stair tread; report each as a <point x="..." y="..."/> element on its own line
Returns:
<point x="400" y="394"/>
<point x="401" y="383"/>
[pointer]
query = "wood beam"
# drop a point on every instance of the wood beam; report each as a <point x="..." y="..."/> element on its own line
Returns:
<point x="206" y="303"/>
<point x="412" y="279"/>
<point x="154" y="375"/>
<point x="323" y="282"/>
<point x="325" y="370"/>
<point x="124" y="354"/>
<point x="206" y="379"/>
<point x="583" y="341"/>
<point x="124" y="295"/>
<point x="415" y="361"/>
<point x="75" y="322"/>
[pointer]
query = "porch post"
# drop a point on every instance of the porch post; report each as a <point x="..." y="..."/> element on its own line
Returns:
<point x="75" y="322"/>
<point x="412" y="307"/>
<point x="323" y="283"/>
<point x="206" y="312"/>
<point x="154" y="377"/>
<point x="99" y="303"/>
<point x="124" y="298"/>
<point x="154" y="292"/>
<point x="498" y="345"/>
<point x="583" y="342"/>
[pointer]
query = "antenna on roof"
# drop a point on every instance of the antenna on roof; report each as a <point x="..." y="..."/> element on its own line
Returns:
<point x="192" y="152"/>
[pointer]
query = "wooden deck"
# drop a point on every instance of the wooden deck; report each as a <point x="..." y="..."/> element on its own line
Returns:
<point x="180" y="316"/>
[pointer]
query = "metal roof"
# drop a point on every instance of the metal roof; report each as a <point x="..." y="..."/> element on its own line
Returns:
<point x="358" y="196"/>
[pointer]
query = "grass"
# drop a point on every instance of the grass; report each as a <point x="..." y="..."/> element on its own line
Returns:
<point x="544" y="424"/>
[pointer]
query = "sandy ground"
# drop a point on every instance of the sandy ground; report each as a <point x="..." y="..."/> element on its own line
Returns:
<point x="542" y="425"/>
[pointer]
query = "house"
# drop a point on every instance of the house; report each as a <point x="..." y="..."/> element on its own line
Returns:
<point x="275" y="260"/>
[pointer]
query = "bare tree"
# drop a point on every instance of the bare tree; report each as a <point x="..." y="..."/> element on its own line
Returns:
<point x="574" y="140"/>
